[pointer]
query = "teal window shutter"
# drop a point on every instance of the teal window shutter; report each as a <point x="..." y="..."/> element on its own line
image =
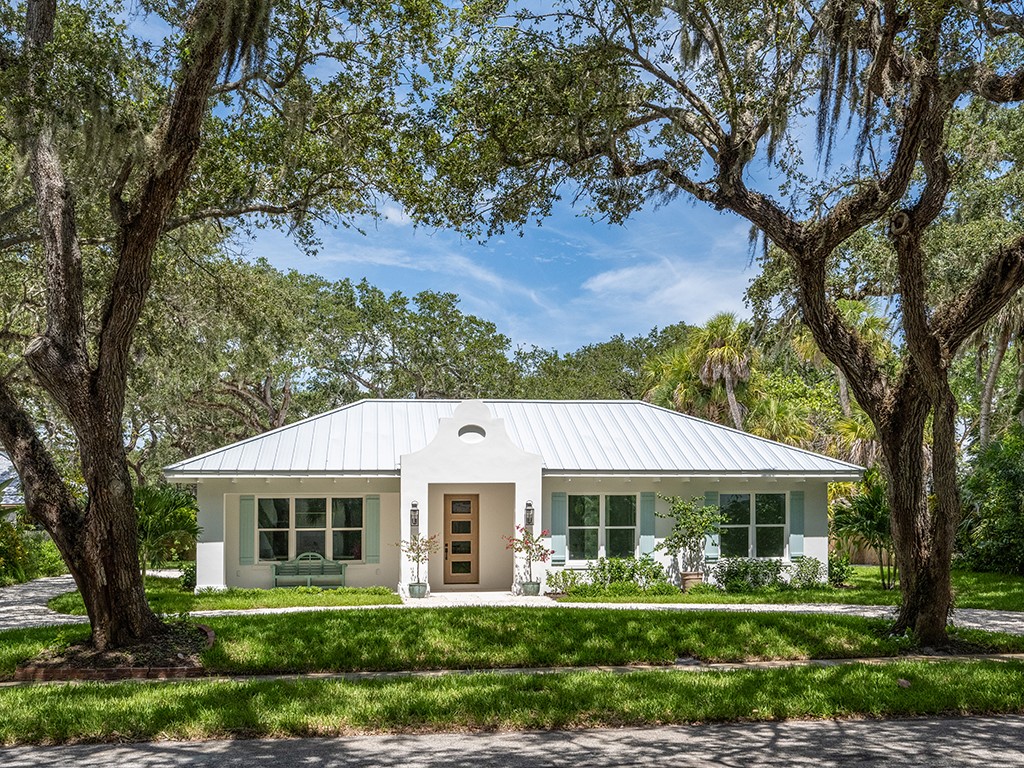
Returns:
<point x="559" y="525"/>
<point x="247" y="530"/>
<point x="372" y="529"/>
<point x="796" y="524"/>
<point x="647" y="523"/>
<point x="712" y="542"/>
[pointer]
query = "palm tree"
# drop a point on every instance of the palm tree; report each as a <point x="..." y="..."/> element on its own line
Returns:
<point x="864" y="519"/>
<point x="780" y="419"/>
<point x="719" y="351"/>
<point x="167" y="519"/>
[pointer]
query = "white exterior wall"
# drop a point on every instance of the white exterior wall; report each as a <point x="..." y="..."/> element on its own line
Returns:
<point x="504" y="475"/>
<point x="815" y="504"/>
<point x="218" y="550"/>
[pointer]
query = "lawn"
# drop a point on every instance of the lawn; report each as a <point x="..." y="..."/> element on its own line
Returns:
<point x="995" y="591"/>
<point x="165" y="596"/>
<point x="487" y="638"/>
<point x="217" y="709"/>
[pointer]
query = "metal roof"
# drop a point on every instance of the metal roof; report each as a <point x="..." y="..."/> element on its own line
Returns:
<point x="589" y="436"/>
<point x="10" y="495"/>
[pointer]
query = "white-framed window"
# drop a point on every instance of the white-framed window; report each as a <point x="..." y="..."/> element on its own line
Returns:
<point x="584" y="526"/>
<point x="754" y="525"/>
<point x="331" y="526"/>
<point x="601" y="526"/>
<point x="620" y="526"/>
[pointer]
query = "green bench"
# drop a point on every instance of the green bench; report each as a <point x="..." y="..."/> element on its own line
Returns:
<point x="308" y="569"/>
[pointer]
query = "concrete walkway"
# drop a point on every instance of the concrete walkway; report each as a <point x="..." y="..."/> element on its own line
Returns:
<point x="24" y="605"/>
<point x="933" y="742"/>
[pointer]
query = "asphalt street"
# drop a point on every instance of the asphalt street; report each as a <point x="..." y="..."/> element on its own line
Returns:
<point x="936" y="743"/>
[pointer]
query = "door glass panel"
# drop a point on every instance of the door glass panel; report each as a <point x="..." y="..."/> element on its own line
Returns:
<point x="462" y="507"/>
<point x="462" y="526"/>
<point x="462" y="548"/>
<point x="464" y="566"/>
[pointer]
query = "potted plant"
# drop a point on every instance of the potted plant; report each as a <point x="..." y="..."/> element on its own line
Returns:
<point x="525" y="543"/>
<point x="694" y="520"/>
<point x="419" y="549"/>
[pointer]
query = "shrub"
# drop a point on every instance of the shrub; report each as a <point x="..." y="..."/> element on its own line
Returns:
<point x="808" y="572"/>
<point x="565" y="580"/>
<point x="12" y="555"/>
<point x="991" y="535"/>
<point x="27" y="554"/>
<point x="864" y="519"/>
<point x="41" y="555"/>
<point x="839" y="568"/>
<point x="736" y="574"/>
<point x="187" y="580"/>
<point x="644" y="571"/>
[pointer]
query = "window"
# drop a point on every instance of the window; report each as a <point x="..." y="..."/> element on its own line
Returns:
<point x="272" y="521"/>
<point x="287" y="527"/>
<point x="347" y="528"/>
<point x="584" y="523"/>
<point x="757" y="532"/>
<point x="311" y="526"/>
<point x="602" y="526"/>
<point x="620" y="526"/>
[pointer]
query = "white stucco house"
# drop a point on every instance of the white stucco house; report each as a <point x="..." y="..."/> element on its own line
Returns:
<point x="351" y="483"/>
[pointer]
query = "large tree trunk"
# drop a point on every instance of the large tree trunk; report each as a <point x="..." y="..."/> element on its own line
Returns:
<point x="86" y="375"/>
<point x="922" y="535"/>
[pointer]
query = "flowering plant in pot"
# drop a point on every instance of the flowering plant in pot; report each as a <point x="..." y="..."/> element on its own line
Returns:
<point x="525" y="543"/>
<point x="694" y="521"/>
<point x="419" y="549"/>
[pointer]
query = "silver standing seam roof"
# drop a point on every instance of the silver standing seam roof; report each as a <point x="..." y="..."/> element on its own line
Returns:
<point x="10" y="496"/>
<point x="369" y="437"/>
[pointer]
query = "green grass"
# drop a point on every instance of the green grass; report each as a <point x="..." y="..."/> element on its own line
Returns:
<point x="209" y="709"/>
<point x="994" y="591"/>
<point x="480" y="638"/>
<point x="165" y="596"/>
<point x="485" y="638"/>
<point x="17" y="645"/>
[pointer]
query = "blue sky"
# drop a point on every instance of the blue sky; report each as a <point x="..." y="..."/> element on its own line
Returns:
<point x="566" y="283"/>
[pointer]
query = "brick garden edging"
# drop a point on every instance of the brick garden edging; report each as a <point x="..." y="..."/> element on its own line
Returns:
<point x="40" y="674"/>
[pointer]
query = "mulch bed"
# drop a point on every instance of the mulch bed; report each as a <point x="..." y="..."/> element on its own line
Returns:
<point x="176" y="654"/>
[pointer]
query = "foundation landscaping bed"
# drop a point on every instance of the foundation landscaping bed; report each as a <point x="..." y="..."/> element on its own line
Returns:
<point x="991" y="591"/>
<point x="480" y="641"/>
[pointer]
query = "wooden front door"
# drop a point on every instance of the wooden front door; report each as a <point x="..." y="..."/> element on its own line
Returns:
<point x="461" y="539"/>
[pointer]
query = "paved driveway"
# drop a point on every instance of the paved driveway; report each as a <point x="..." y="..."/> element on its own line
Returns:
<point x="936" y="743"/>
<point x="24" y="605"/>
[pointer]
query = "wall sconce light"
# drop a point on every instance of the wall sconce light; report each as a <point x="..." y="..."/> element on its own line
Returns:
<point x="414" y="514"/>
<point x="529" y="513"/>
